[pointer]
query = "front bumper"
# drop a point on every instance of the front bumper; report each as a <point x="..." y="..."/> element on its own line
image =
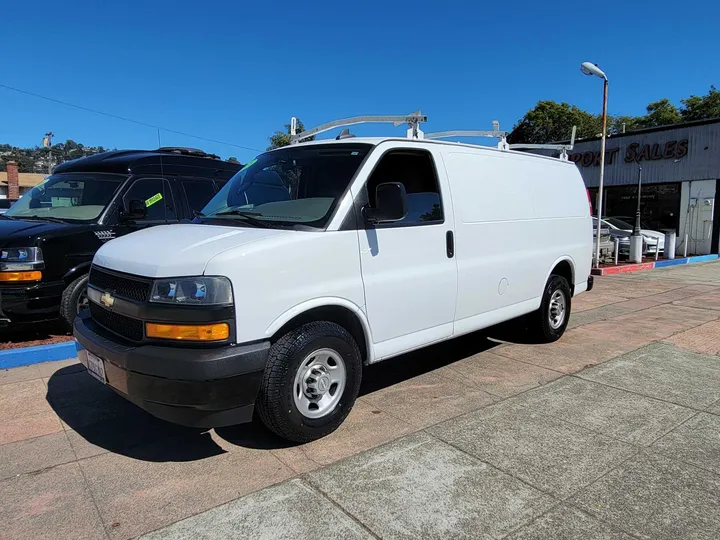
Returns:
<point x="197" y="387"/>
<point x="31" y="302"/>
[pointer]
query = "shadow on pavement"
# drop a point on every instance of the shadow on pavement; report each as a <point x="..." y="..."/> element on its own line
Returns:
<point x="104" y="419"/>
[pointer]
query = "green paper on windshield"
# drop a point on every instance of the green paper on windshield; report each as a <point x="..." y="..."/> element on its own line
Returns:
<point x="152" y="200"/>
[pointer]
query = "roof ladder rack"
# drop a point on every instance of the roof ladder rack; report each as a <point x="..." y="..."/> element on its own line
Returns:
<point x="412" y="120"/>
<point x="495" y="133"/>
<point x="562" y="147"/>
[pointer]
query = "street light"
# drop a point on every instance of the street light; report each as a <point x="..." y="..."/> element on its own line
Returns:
<point x="588" y="68"/>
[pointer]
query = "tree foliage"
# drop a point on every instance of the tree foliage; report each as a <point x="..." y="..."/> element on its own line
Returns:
<point x="701" y="107"/>
<point x="282" y="138"/>
<point x="36" y="159"/>
<point x="550" y="121"/>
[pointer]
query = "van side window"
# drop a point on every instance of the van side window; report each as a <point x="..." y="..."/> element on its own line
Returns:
<point x="159" y="205"/>
<point x="416" y="171"/>
<point x="198" y="193"/>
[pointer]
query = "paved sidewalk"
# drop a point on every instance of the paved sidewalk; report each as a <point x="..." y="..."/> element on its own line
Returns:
<point x="611" y="433"/>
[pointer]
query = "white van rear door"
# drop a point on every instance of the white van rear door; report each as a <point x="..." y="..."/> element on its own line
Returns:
<point x="409" y="275"/>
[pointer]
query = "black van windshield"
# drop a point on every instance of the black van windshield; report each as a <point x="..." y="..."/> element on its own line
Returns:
<point x="295" y="186"/>
<point x="67" y="197"/>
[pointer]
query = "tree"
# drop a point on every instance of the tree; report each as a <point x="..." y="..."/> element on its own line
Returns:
<point x="701" y="107"/>
<point x="233" y="160"/>
<point x="659" y="113"/>
<point x="551" y="121"/>
<point x="282" y="138"/>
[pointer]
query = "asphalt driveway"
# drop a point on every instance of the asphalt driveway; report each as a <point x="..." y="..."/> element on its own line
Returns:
<point x="611" y="433"/>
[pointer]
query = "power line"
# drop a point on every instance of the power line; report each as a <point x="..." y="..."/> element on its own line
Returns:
<point x="125" y="119"/>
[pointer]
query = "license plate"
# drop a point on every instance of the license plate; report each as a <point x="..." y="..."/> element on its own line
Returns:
<point x="96" y="367"/>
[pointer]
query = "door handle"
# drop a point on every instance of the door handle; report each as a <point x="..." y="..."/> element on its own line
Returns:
<point x="450" y="244"/>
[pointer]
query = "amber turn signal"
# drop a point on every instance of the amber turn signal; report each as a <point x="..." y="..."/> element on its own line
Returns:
<point x="188" y="332"/>
<point x="34" y="275"/>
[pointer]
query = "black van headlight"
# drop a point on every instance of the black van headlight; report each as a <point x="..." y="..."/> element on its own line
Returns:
<point x="199" y="290"/>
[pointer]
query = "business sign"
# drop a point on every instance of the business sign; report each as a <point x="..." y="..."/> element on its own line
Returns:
<point x="634" y="153"/>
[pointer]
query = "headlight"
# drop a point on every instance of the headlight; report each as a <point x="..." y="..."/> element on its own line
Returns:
<point x="200" y="290"/>
<point x="20" y="258"/>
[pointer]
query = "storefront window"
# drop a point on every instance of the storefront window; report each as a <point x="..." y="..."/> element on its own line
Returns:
<point x="659" y="204"/>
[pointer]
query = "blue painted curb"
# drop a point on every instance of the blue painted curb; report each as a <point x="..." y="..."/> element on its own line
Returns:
<point x="702" y="258"/>
<point x="670" y="262"/>
<point x="24" y="356"/>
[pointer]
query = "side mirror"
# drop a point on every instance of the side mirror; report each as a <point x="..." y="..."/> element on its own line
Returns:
<point x="390" y="204"/>
<point x="134" y="209"/>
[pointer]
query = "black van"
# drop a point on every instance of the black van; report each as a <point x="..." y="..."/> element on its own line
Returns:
<point x="49" y="236"/>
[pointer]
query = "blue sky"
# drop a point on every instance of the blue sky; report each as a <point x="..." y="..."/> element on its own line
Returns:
<point x="237" y="71"/>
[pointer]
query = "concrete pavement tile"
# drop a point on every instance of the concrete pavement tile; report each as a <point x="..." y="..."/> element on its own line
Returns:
<point x="61" y="367"/>
<point x="701" y="339"/>
<point x="594" y="300"/>
<point x="550" y="454"/>
<point x="162" y="484"/>
<point x="19" y="374"/>
<point x="82" y="447"/>
<point x="419" y="487"/>
<point x="51" y="504"/>
<point x="597" y="314"/>
<point x="681" y="293"/>
<point x="497" y="375"/>
<point x="428" y="399"/>
<point x="73" y="389"/>
<point x="365" y="427"/>
<point x="34" y="454"/>
<point x="568" y="523"/>
<point x="702" y="289"/>
<point x="579" y="348"/>
<point x="638" y="304"/>
<point x="24" y="412"/>
<point x="638" y="289"/>
<point x="655" y="498"/>
<point x="663" y="372"/>
<point x="616" y="413"/>
<point x="665" y="320"/>
<point x="714" y="408"/>
<point x="696" y="442"/>
<point x="289" y="511"/>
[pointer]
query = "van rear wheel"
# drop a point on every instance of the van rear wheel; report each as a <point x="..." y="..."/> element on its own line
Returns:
<point x="311" y="381"/>
<point x="551" y="320"/>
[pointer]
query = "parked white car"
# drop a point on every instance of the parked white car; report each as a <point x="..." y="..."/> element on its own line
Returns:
<point x="320" y="258"/>
<point x="653" y="239"/>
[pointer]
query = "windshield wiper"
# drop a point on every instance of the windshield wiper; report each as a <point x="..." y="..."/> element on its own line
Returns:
<point x="45" y="218"/>
<point x="7" y="217"/>
<point x="249" y="217"/>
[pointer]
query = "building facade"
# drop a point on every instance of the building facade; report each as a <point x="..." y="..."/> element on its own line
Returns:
<point x="680" y="168"/>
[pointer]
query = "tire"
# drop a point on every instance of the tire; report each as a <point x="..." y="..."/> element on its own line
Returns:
<point x="544" y="324"/>
<point x="283" y="391"/>
<point x="71" y="299"/>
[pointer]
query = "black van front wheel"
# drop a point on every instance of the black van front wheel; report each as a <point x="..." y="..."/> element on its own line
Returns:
<point x="310" y="382"/>
<point x="74" y="300"/>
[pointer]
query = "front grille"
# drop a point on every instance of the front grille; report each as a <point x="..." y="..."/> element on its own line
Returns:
<point x="125" y="286"/>
<point x="126" y="327"/>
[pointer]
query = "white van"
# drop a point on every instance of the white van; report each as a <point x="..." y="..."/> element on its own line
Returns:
<point x="320" y="258"/>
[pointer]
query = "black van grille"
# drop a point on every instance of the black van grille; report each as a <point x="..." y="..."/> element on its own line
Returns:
<point x="126" y="327"/>
<point x="127" y="287"/>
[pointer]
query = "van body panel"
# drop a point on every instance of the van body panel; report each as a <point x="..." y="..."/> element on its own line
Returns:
<point x="516" y="217"/>
<point x="272" y="277"/>
<point x="410" y="283"/>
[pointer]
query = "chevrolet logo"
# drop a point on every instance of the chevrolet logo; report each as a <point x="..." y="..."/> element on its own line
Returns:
<point x="107" y="299"/>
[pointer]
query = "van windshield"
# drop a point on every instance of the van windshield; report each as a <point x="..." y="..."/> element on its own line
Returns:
<point x="67" y="197"/>
<point x="294" y="186"/>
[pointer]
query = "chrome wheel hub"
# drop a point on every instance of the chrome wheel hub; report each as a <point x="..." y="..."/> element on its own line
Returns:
<point x="556" y="311"/>
<point x="319" y="383"/>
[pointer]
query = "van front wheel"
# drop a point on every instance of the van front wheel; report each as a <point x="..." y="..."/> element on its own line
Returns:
<point x="551" y="320"/>
<point x="311" y="381"/>
<point x="74" y="300"/>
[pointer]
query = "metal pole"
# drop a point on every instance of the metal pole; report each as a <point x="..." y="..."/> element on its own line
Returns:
<point x="602" y="171"/>
<point x="686" y="242"/>
<point x="637" y="213"/>
<point x="617" y="250"/>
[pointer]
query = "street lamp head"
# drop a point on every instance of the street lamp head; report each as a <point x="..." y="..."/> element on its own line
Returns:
<point x="588" y="68"/>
